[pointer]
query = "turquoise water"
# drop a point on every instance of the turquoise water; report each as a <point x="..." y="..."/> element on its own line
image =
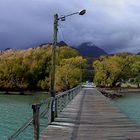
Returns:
<point x="130" y="105"/>
<point x="14" y="111"/>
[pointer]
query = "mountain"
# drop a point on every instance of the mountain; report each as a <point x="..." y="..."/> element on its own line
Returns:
<point x="88" y="49"/>
<point x="60" y="44"/>
<point x="139" y="53"/>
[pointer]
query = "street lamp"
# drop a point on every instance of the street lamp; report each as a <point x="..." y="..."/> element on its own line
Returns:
<point x="55" y="30"/>
<point x="63" y="18"/>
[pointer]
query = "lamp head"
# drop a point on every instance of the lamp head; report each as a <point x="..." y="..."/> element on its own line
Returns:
<point x="82" y="12"/>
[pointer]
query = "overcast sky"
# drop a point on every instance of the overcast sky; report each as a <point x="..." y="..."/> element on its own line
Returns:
<point x="113" y="25"/>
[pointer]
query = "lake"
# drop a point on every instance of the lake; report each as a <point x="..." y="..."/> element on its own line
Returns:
<point x="14" y="111"/>
<point x="130" y="105"/>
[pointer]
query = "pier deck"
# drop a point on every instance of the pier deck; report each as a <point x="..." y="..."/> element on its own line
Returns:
<point x="91" y="116"/>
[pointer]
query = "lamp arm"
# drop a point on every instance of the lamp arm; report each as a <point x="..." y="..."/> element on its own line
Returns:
<point x="68" y="15"/>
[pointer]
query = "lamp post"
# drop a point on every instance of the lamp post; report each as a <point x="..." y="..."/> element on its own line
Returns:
<point x="55" y="30"/>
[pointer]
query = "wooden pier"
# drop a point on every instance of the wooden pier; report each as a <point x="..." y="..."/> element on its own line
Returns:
<point x="91" y="116"/>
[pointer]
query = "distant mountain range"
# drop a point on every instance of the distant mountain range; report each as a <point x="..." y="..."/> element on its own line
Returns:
<point x="60" y="44"/>
<point x="88" y="49"/>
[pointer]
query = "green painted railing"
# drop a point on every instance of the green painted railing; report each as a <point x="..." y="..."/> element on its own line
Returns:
<point x="33" y="128"/>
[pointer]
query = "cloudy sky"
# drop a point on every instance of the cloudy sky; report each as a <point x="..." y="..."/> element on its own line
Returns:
<point x="113" y="25"/>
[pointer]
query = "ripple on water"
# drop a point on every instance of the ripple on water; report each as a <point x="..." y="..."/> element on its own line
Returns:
<point x="14" y="111"/>
<point x="130" y="105"/>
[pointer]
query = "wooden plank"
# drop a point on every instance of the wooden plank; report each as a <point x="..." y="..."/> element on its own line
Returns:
<point x="91" y="116"/>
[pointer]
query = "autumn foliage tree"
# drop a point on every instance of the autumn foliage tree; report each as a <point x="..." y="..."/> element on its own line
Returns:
<point x="113" y="70"/>
<point x="29" y="69"/>
<point x="69" y="72"/>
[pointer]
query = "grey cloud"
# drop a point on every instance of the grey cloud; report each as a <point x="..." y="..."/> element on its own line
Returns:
<point x="112" y="25"/>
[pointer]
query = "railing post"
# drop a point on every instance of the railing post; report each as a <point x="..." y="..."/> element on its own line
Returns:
<point x="53" y="109"/>
<point x="35" y="108"/>
<point x="56" y="107"/>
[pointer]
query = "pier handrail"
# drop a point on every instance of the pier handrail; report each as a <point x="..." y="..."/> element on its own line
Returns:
<point x="60" y="102"/>
<point x="28" y="122"/>
<point x="21" y="129"/>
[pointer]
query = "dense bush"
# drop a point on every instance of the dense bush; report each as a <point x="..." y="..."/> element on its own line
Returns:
<point x="111" y="71"/>
<point x="30" y="69"/>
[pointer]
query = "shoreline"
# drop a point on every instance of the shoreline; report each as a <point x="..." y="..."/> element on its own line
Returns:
<point x="22" y="93"/>
<point x="118" y="92"/>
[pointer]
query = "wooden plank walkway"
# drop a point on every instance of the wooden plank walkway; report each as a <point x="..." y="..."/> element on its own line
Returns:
<point x="90" y="116"/>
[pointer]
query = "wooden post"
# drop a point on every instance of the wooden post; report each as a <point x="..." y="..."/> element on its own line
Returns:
<point x="52" y="88"/>
<point x="56" y="107"/>
<point x="35" y="108"/>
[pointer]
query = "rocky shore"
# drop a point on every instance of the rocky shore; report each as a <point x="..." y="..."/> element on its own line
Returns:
<point x="110" y="95"/>
<point x="118" y="92"/>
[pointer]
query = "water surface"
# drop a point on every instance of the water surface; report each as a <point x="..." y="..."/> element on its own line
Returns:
<point x="130" y="105"/>
<point x="15" y="110"/>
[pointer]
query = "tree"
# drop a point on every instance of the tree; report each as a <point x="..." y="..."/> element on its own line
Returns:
<point x="112" y="70"/>
<point x="136" y="70"/>
<point x="69" y="72"/>
<point x="30" y="69"/>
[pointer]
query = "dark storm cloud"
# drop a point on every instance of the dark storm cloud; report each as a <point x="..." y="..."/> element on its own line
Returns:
<point x="112" y="25"/>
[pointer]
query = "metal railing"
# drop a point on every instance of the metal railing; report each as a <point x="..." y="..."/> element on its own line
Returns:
<point x="42" y="115"/>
